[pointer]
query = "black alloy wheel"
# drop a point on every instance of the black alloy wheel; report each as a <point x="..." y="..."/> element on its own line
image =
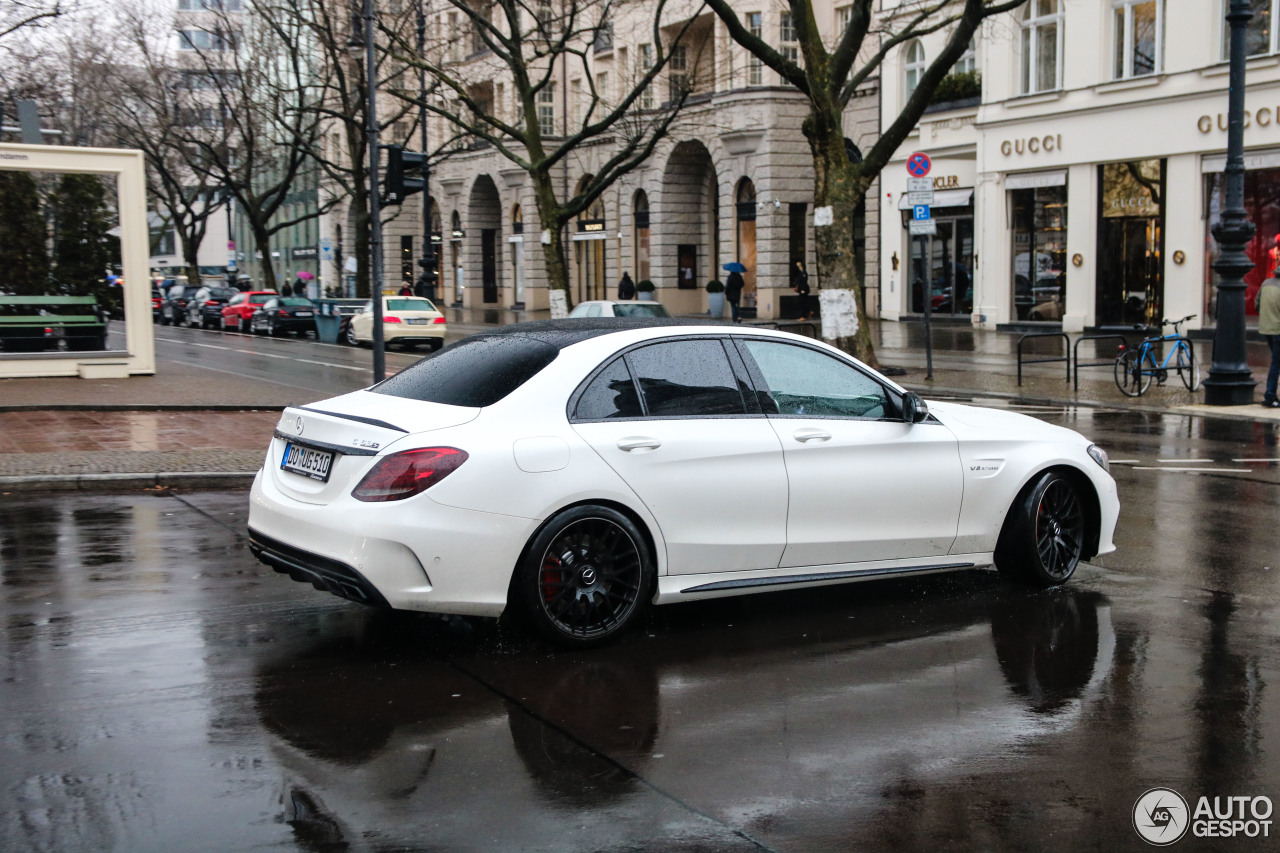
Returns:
<point x="586" y="576"/>
<point x="1043" y="536"/>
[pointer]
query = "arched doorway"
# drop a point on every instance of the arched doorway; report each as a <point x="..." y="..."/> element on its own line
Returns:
<point x="484" y="215"/>
<point x="589" y="250"/>
<point x="517" y="256"/>
<point x="745" y="238"/>
<point x="689" y="218"/>
<point x="640" y="234"/>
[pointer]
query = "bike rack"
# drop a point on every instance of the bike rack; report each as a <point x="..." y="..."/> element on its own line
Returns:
<point x="1075" y="351"/>
<point x="1066" y="348"/>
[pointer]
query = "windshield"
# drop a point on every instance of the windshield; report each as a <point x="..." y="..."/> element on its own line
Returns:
<point x="640" y="309"/>
<point x="295" y="300"/>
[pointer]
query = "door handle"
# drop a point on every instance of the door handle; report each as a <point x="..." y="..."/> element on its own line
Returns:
<point x="806" y="435"/>
<point x="638" y="443"/>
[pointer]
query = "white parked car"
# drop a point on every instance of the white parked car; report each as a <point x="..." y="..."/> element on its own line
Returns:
<point x="610" y="308"/>
<point x="406" y="320"/>
<point x="580" y="470"/>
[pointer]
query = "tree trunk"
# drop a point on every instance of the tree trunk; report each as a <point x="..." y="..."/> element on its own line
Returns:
<point x="839" y="189"/>
<point x="363" y="234"/>
<point x="190" y="256"/>
<point x="267" y="269"/>
<point x="553" y="254"/>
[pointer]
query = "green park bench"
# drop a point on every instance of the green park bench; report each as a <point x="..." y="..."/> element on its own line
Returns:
<point x="39" y="323"/>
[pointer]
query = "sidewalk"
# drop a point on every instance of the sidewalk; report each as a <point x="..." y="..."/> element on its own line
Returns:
<point x="187" y="426"/>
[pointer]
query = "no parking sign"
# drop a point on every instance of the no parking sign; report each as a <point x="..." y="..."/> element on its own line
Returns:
<point x="919" y="164"/>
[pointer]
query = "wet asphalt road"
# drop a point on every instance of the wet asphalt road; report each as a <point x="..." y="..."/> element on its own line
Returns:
<point x="161" y="690"/>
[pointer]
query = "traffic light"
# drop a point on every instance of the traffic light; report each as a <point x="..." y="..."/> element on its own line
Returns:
<point x="404" y="173"/>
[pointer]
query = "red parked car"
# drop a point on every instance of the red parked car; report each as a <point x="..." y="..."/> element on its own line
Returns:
<point x="236" y="315"/>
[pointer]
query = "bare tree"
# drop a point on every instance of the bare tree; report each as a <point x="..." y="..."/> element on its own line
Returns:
<point x="533" y="47"/>
<point x="23" y="14"/>
<point x="828" y="78"/>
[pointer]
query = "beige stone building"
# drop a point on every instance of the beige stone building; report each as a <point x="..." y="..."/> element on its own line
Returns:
<point x="732" y="182"/>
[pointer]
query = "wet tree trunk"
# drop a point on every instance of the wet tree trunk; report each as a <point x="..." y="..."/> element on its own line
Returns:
<point x="262" y="244"/>
<point x="839" y="189"/>
<point x="551" y="217"/>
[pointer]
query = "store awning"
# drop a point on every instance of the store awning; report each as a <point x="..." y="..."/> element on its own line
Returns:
<point x="943" y="198"/>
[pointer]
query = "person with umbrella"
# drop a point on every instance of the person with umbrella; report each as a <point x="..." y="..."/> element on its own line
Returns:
<point x="733" y="288"/>
<point x="300" y="285"/>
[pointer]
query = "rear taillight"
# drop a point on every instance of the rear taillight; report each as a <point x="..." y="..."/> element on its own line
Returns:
<point x="438" y="320"/>
<point x="411" y="472"/>
<point x="391" y="319"/>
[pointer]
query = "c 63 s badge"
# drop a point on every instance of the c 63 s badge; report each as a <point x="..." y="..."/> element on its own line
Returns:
<point x="364" y="442"/>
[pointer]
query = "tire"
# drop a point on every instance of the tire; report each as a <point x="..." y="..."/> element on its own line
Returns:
<point x="246" y="325"/>
<point x="1188" y="366"/>
<point x="351" y="337"/>
<point x="1131" y="385"/>
<point x="436" y="344"/>
<point x="273" y="329"/>
<point x="164" y="321"/>
<point x="585" y="577"/>
<point x="1043" y="535"/>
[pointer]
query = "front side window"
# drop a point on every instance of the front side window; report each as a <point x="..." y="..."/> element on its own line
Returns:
<point x="1138" y="37"/>
<point x="914" y="66"/>
<point x="1041" y="47"/>
<point x="804" y="382"/>
<point x="686" y="379"/>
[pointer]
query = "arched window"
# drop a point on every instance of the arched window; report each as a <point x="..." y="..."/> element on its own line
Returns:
<point x="640" y="225"/>
<point x="1042" y="46"/>
<point x="914" y="66"/>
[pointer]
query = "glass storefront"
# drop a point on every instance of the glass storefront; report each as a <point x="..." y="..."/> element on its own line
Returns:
<point x="1039" y="216"/>
<point x="1262" y="204"/>
<point x="950" y="264"/>
<point x="1130" y="281"/>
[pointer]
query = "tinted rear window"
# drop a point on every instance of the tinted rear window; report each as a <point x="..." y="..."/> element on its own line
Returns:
<point x="409" y="305"/>
<point x="295" y="300"/>
<point x="477" y="371"/>
<point x="640" y="309"/>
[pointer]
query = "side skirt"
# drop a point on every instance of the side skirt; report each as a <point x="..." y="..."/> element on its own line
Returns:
<point x="673" y="588"/>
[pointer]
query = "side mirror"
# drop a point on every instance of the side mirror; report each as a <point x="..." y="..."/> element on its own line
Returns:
<point x="914" y="409"/>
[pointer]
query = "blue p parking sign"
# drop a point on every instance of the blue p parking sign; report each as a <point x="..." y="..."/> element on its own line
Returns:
<point x="920" y="212"/>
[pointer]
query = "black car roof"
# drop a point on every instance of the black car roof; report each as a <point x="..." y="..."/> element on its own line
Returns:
<point x="563" y="333"/>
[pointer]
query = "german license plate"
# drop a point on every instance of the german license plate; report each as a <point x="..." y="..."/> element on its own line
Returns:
<point x="417" y="321"/>
<point x="307" y="461"/>
<point x="303" y="314"/>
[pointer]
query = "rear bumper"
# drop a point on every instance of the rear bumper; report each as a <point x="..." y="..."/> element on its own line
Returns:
<point x="321" y="572"/>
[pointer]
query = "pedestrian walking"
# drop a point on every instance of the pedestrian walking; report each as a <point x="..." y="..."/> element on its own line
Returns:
<point x="733" y="294"/>
<point x="406" y="288"/>
<point x="626" y="287"/>
<point x="1268" y="304"/>
<point x="800" y="284"/>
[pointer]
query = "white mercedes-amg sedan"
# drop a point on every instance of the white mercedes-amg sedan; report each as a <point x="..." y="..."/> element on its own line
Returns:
<point x="577" y="471"/>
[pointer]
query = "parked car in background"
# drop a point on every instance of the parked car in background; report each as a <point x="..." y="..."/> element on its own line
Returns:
<point x="173" y="308"/>
<point x="284" y="314"/>
<point x="406" y="320"/>
<point x="609" y="308"/>
<point x="156" y="299"/>
<point x="205" y="310"/>
<point x="238" y="312"/>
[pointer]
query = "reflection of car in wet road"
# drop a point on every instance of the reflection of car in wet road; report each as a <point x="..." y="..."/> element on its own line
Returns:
<point x="808" y="732"/>
<point x="578" y="470"/>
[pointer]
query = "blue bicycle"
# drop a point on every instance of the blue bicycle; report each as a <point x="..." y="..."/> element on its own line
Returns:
<point x="1137" y="367"/>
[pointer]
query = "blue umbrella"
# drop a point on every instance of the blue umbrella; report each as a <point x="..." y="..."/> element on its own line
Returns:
<point x="734" y="266"/>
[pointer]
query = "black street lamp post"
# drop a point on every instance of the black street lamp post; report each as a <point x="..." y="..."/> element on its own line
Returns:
<point x="426" y="281"/>
<point x="1230" y="382"/>
<point x="375" y="208"/>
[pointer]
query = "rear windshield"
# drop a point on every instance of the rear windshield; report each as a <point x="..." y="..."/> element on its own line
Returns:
<point x="478" y="371"/>
<point x="409" y="305"/>
<point x="221" y="293"/>
<point x="295" y="300"/>
<point x="640" y="309"/>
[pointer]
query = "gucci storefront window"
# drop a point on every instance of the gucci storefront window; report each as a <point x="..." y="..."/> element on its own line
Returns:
<point x="1262" y="204"/>
<point x="1130" y="283"/>
<point x="1039" y="217"/>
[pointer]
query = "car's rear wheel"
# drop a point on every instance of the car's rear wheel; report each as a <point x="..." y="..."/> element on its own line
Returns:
<point x="351" y="337"/>
<point x="586" y="576"/>
<point x="246" y="325"/>
<point x="1043" y="536"/>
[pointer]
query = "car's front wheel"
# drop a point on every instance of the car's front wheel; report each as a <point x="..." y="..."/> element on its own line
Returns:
<point x="351" y="337"/>
<point x="585" y="577"/>
<point x="1043" y="535"/>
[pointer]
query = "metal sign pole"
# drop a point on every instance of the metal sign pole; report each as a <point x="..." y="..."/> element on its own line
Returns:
<point x="928" y="299"/>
